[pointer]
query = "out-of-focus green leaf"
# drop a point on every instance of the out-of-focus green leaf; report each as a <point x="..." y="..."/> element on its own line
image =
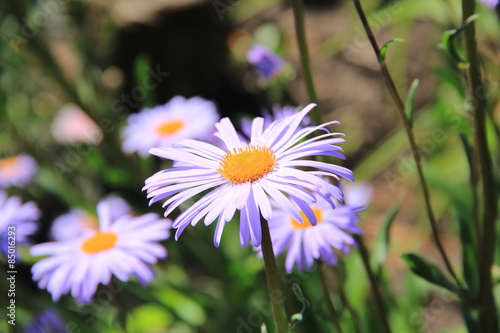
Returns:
<point x="428" y="271"/>
<point x="149" y="318"/>
<point x="383" y="239"/>
<point x="142" y="65"/>
<point x="183" y="306"/>
<point x="385" y="47"/>
<point x="409" y="102"/>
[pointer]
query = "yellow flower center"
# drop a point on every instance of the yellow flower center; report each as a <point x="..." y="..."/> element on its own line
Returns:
<point x="247" y="164"/>
<point x="306" y="224"/>
<point x="169" y="127"/>
<point x="101" y="241"/>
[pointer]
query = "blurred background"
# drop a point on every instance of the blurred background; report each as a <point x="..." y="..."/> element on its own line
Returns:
<point x="111" y="58"/>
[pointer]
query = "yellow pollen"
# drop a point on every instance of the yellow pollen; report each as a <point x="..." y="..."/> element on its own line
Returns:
<point x="101" y="241"/>
<point x="169" y="127"/>
<point x="247" y="164"/>
<point x="306" y="224"/>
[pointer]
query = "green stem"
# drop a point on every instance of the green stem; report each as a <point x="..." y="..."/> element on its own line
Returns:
<point x="374" y="283"/>
<point x="487" y="321"/>
<point x="411" y="138"/>
<point x="329" y="303"/>
<point x="300" y="31"/>
<point x="273" y="284"/>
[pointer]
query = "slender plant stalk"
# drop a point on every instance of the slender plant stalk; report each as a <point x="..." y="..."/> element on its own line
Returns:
<point x="374" y="283"/>
<point x="487" y="322"/>
<point x="300" y="31"/>
<point x="354" y="315"/>
<point x="329" y="303"/>
<point x="413" y="144"/>
<point x="273" y="284"/>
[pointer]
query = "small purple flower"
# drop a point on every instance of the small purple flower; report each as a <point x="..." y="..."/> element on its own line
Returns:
<point x="121" y="246"/>
<point x="245" y="176"/>
<point x="17" y="220"/>
<point x="266" y="62"/>
<point x="46" y="321"/>
<point x="324" y="230"/>
<point x="17" y="170"/>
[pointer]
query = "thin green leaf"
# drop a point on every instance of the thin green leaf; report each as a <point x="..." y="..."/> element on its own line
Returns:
<point x="410" y="100"/>
<point x="450" y="36"/>
<point x="428" y="271"/>
<point x="383" y="238"/>
<point x="385" y="47"/>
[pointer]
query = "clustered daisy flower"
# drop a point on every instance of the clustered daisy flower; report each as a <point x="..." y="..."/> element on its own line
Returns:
<point x="180" y="118"/>
<point x="17" y="170"/>
<point x="121" y="246"/>
<point x="247" y="176"/>
<point x="19" y="219"/>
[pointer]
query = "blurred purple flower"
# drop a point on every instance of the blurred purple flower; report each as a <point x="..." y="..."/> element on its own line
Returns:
<point x="178" y="119"/>
<point x="17" y="170"/>
<point x="266" y="62"/>
<point x="19" y="219"/>
<point x="47" y="321"/>
<point x="246" y="176"/>
<point x="121" y="246"/>
<point x="78" y="222"/>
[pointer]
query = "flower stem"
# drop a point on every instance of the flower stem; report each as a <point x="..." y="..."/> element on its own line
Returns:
<point x="487" y="321"/>
<point x="300" y="31"/>
<point x="411" y="138"/>
<point x="273" y="284"/>
<point x="373" y="282"/>
<point x="329" y="303"/>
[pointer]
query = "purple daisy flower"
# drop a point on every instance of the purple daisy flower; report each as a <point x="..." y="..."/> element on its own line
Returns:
<point x="307" y="240"/>
<point x="17" y="170"/>
<point x="180" y="118"/>
<point x="266" y="62"/>
<point x="16" y="220"/>
<point x="246" y="176"/>
<point x="121" y="246"/>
